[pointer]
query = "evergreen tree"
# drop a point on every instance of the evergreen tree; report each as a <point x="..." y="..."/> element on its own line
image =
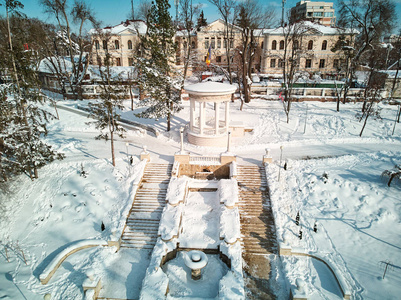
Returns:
<point x="22" y="121"/>
<point x="160" y="81"/>
<point x="201" y="21"/>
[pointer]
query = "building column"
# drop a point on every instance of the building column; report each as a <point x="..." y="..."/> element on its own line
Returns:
<point x="201" y="117"/>
<point x="191" y="113"/>
<point x="216" y="117"/>
<point x="227" y="117"/>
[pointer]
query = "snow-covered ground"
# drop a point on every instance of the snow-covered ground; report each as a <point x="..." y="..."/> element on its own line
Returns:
<point x="358" y="215"/>
<point x="358" y="220"/>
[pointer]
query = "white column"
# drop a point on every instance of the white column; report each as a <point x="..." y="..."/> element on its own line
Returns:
<point x="191" y="113"/>
<point x="216" y="117"/>
<point x="201" y="117"/>
<point x="227" y="120"/>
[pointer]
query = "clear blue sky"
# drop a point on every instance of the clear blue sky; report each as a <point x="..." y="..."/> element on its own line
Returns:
<point x="112" y="12"/>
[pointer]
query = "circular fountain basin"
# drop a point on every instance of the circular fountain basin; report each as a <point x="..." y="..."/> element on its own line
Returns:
<point x="181" y="283"/>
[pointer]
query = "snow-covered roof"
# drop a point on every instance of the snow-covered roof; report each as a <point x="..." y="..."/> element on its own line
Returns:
<point x="211" y="88"/>
<point x="314" y="27"/>
<point x="47" y="65"/>
<point x="132" y="25"/>
<point x="221" y="21"/>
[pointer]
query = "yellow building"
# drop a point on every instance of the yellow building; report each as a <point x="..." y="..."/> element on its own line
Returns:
<point x="314" y="44"/>
<point x="119" y="41"/>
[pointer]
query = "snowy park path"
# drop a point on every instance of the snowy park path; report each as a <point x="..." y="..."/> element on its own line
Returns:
<point x="143" y="220"/>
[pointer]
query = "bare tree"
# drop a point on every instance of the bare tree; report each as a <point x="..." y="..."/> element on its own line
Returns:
<point x="107" y="109"/>
<point x="144" y="9"/>
<point x="227" y="10"/>
<point x="188" y="14"/>
<point x="372" y="18"/>
<point x="77" y="45"/>
<point x="374" y="83"/>
<point x="252" y="16"/>
<point x="292" y="47"/>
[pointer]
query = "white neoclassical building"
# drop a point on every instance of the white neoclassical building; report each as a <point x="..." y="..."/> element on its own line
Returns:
<point x="209" y="122"/>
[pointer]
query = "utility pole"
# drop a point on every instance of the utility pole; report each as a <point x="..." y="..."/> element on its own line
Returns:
<point x="176" y="3"/>
<point x="132" y="9"/>
<point x="282" y="13"/>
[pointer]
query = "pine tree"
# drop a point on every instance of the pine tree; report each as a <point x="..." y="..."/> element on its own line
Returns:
<point x="201" y="21"/>
<point x="160" y="81"/>
<point x="23" y="121"/>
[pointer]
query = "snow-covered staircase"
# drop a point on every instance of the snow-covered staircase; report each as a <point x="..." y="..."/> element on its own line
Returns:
<point x="257" y="222"/>
<point x="142" y="223"/>
<point x="257" y="230"/>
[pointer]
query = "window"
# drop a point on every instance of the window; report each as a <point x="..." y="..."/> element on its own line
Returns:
<point x="328" y="14"/>
<point x="281" y="63"/>
<point x="274" y="45"/>
<point x="261" y="45"/>
<point x="308" y="63"/>
<point x="104" y="45"/>
<point x="207" y="43"/>
<point x="117" y="44"/>
<point x="193" y="45"/>
<point x="336" y="63"/>
<point x="213" y="43"/>
<point x="118" y="61"/>
<point x="130" y="61"/>
<point x="321" y="64"/>
<point x="281" y="45"/>
<point x="218" y="59"/>
<point x="106" y="61"/>
<point x="130" y="45"/>
<point x="310" y="45"/>
<point x="318" y="14"/>
<point x="97" y="45"/>
<point x="324" y="45"/>
<point x="219" y="43"/>
<point x="231" y="43"/>
<point x="273" y="63"/>
<point x="296" y="45"/>
<point x="225" y="43"/>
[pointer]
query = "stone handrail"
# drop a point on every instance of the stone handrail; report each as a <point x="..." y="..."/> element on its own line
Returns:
<point x="55" y="263"/>
<point x="344" y="286"/>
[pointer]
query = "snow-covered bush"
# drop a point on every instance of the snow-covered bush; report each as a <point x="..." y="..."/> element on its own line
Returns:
<point x="392" y="174"/>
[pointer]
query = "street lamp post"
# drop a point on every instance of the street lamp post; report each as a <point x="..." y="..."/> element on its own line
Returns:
<point x="281" y="157"/>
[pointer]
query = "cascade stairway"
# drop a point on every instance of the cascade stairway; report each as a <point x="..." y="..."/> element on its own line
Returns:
<point x="257" y="230"/>
<point x="143" y="220"/>
<point x="257" y="222"/>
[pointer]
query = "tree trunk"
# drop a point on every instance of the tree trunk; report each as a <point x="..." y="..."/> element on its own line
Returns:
<point x="170" y="106"/>
<point x="367" y="116"/>
<point x="113" y="159"/>
<point x="132" y="98"/>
